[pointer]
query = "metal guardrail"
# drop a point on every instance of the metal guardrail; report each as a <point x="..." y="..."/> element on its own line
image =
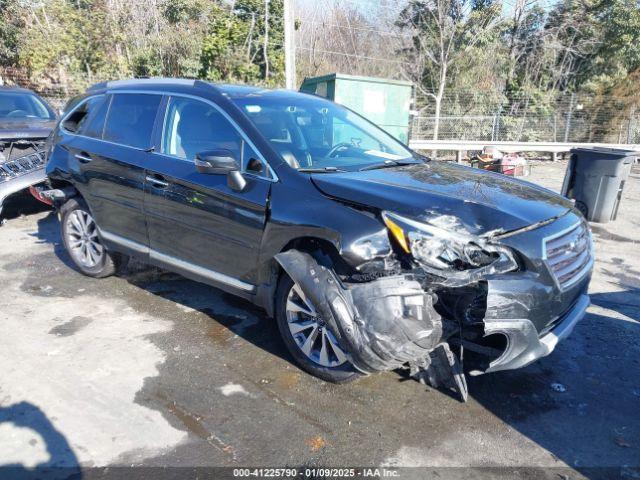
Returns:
<point x="554" y="148"/>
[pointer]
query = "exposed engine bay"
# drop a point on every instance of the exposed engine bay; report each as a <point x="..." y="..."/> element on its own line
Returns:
<point x="16" y="148"/>
<point x="21" y="166"/>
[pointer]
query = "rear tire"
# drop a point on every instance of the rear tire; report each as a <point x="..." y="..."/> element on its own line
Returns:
<point x="81" y="240"/>
<point x="329" y="365"/>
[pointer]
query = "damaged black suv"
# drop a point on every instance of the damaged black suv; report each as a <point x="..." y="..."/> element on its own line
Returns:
<point x="369" y="256"/>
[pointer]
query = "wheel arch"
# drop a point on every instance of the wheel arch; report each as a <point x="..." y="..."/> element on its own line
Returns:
<point x="324" y="251"/>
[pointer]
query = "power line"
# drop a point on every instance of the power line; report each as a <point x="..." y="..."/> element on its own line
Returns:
<point x="364" y="57"/>
<point x="362" y="29"/>
<point x="380" y="6"/>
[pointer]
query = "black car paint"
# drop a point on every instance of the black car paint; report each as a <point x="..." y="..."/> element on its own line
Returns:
<point x="217" y="228"/>
<point x="436" y="188"/>
<point x="114" y="180"/>
<point x="196" y="223"/>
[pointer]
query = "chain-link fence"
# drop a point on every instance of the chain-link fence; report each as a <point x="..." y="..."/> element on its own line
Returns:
<point x="565" y="118"/>
<point x="473" y="115"/>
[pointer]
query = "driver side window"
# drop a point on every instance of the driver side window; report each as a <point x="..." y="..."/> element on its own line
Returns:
<point x="192" y="126"/>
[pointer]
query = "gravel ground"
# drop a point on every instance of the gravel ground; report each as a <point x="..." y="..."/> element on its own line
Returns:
<point x="151" y="369"/>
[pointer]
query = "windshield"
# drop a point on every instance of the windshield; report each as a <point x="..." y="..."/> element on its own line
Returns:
<point x="316" y="134"/>
<point x="18" y="105"/>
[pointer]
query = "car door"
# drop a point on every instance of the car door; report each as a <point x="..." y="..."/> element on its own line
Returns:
<point x="81" y="141"/>
<point x="115" y="170"/>
<point x="197" y="224"/>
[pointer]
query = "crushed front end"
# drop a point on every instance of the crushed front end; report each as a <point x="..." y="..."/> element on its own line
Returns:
<point x="426" y="291"/>
<point x="22" y="163"/>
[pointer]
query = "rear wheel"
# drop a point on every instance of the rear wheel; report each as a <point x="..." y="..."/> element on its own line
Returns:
<point x="80" y="237"/>
<point x="307" y="338"/>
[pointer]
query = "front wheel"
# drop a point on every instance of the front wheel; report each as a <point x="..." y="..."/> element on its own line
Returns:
<point x="80" y="237"/>
<point x="307" y="338"/>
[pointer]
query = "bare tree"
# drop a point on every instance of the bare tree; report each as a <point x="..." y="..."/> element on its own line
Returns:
<point x="341" y="37"/>
<point x="443" y="31"/>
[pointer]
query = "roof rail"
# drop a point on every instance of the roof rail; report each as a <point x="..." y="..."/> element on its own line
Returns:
<point x="209" y="85"/>
<point x="115" y="83"/>
<point x="98" y="86"/>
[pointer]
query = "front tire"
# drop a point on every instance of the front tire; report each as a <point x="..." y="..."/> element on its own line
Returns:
<point x="80" y="238"/>
<point x="311" y="344"/>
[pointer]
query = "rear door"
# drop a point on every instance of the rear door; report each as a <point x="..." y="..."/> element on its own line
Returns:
<point x="81" y="141"/>
<point x="197" y="223"/>
<point x="115" y="168"/>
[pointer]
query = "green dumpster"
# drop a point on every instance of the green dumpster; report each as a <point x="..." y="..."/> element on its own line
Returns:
<point x="384" y="102"/>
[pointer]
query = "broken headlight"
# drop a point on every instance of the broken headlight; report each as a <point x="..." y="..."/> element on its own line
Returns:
<point x="440" y="249"/>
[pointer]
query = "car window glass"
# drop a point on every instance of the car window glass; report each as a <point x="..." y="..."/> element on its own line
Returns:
<point x="79" y="115"/>
<point x="344" y="132"/>
<point x="22" y="105"/>
<point x="192" y="126"/>
<point x="310" y="132"/>
<point x="92" y="124"/>
<point x="314" y="131"/>
<point x="131" y="118"/>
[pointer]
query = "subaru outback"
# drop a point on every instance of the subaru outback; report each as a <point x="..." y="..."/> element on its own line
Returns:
<point x="369" y="256"/>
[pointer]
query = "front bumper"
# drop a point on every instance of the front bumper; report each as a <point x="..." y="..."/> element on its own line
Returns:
<point x="21" y="173"/>
<point x="15" y="185"/>
<point x="524" y="345"/>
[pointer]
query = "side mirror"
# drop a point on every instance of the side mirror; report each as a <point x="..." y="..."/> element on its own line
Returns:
<point x="216" y="162"/>
<point x="221" y="162"/>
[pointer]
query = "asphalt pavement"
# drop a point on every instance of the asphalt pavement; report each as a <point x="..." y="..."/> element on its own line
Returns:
<point x="151" y="369"/>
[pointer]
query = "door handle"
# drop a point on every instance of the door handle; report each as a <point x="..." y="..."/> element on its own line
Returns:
<point x="156" y="182"/>
<point x="83" y="157"/>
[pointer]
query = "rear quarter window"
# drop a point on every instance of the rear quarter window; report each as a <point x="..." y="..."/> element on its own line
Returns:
<point x="81" y="117"/>
<point x="131" y="118"/>
<point x="93" y="126"/>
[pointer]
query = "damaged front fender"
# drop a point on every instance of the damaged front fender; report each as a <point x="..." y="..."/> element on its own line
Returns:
<point x="382" y="324"/>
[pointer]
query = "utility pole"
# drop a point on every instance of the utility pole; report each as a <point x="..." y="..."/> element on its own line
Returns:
<point x="629" y="129"/>
<point x="567" y="127"/>
<point x="265" y="48"/>
<point x="289" y="46"/>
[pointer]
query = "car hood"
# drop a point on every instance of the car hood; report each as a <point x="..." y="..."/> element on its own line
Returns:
<point x="25" y="128"/>
<point x="468" y="199"/>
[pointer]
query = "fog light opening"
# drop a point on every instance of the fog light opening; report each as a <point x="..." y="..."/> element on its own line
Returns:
<point x="480" y="353"/>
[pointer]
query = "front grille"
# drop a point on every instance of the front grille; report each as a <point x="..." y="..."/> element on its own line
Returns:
<point x="21" y="166"/>
<point x="569" y="255"/>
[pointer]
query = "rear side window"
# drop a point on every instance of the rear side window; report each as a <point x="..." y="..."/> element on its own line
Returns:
<point x="81" y="117"/>
<point x="93" y="123"/>
<point x="131" y="118"/>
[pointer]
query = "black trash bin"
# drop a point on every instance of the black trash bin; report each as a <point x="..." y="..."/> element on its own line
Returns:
<point x="595" y="178"/>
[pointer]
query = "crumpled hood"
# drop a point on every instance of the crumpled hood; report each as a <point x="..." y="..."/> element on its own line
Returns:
<point x="474" y="200"/>
<point x="25" y="128"/>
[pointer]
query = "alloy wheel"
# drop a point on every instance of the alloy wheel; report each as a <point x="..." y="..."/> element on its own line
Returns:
<point x="309" y="331"/>
<point x="82" y="239"/>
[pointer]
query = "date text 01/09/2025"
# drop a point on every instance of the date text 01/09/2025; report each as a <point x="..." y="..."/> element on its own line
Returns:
<point x="318" y="472"/>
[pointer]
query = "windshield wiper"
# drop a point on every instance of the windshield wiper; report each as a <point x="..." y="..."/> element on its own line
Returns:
<point x="321" y="170"/>
<point x="387" y="164"/>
